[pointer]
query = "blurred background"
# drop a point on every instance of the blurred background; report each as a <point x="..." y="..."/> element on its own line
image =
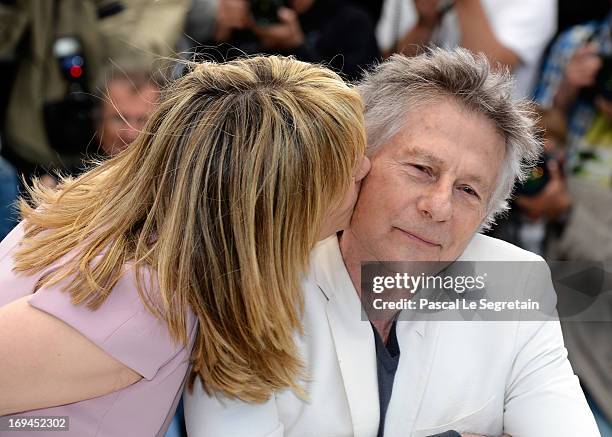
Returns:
<point x="79" y="78"/>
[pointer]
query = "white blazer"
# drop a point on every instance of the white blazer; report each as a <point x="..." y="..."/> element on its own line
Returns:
<point x="480" y="377"/>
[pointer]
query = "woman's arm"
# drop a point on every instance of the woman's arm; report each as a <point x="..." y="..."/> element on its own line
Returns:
<point x="45" y="362"/>
<point x="477" y="34"/>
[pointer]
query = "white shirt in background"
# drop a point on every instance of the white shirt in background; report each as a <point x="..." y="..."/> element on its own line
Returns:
<point x="523" y="26"/>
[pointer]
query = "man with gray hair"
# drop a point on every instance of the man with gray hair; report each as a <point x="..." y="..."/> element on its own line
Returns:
<point x="446" y="143"/>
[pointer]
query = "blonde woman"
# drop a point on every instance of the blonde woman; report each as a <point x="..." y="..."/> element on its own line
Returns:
<point x="191" y="243"/>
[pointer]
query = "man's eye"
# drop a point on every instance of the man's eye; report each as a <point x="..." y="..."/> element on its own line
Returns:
<point x="470" y="191"/>
<point x="422" y="169"/>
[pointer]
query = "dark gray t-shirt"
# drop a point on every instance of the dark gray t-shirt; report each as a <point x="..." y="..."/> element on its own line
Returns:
<point x="387" y="357"/>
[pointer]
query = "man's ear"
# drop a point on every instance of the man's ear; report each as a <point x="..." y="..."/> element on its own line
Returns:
<point x="364" y="169"/>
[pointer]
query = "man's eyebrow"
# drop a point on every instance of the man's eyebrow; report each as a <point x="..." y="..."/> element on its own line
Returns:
<point x="477" y="180"/>
<point x="425" y="155"/>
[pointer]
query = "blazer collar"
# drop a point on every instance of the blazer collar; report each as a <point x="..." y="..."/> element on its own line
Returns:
<point x="352" y="335"/>
<point x="330" y="274"/>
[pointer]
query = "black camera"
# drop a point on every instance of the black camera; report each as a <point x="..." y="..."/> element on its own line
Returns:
<point x="69" y="122"/>
<point x="603" y="82"/>
<point x="265" y="12"/>
<point x="537" y="180"/>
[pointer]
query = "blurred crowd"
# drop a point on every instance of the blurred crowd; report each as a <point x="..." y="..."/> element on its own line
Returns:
<point x="78" y="79"/>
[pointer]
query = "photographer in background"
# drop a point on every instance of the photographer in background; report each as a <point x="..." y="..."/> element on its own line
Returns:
<point x="576" y="82"/>
<point x="124" y="102"/>
<point x="53" y="55"/>
<point x="55" y="52"/>
<point x="544" y="196"/>
<point x="541" y="203"/>
<point x="128" y="99"/>
<point x="325" y="31"/>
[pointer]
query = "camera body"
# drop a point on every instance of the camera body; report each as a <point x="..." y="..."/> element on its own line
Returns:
<point x="69" y="122"/>
<point x="537" y="180"/>
<point x="265" y="12"/>
<point x="603" y="82"/>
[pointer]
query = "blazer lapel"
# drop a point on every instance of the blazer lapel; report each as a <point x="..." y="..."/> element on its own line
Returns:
<point x="418" y="342"/>
<point x="354" y="342"/>
<point x="353" y="339"/>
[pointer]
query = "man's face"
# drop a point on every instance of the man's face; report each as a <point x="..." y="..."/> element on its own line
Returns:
<point x="124" y="113"/>
<point x="429" y="186"/>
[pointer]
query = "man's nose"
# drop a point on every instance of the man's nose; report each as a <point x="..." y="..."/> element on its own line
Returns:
<point x="436" y="202"/>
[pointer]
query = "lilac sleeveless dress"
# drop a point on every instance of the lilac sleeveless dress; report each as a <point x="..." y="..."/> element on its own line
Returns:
<point x="124" y="329"/>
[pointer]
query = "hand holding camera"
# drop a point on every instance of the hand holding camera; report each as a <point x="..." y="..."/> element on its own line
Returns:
<point x="604" y="104"/>
<point x="588" y="72"/>
<point x="276" y="26"/>
<point x="286" y="34"/>
<point x="582" y="69"/>
<point x="552" y="200"/>
<point x="231" y="15"/>
<point x="580" y="73"/>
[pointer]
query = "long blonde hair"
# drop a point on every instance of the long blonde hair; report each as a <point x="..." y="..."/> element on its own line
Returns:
<point x="221" y="196"/>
